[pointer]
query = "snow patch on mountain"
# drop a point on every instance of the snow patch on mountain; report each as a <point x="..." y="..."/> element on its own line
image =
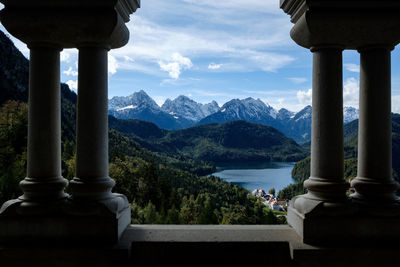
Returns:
<point x="304" y="114"/>
<point x="127" y="107"/>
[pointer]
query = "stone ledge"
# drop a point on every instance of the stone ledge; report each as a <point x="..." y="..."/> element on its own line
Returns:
<point x="353" y="229"/>
<point x="195" y="245"/>
<point x="210" y="233"/>
<point x="175" y="245"/>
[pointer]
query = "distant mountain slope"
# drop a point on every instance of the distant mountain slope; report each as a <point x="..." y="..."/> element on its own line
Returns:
<point x="184" y="107"/>
<point x="232" y="141"/>
<point x="298" y="126"/>
<point x="350" y="114"/>
<point x="294" y="125"/>
<point x="248" y="109"/>
<point x="140" y="106"/>
<point x="139" y="128"/>
<point x="14" y="70"/>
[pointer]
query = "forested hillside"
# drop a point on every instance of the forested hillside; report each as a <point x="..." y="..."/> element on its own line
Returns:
<point x="236" y="141"/>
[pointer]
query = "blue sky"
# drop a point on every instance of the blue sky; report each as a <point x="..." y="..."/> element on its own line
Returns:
<point x="218" y="50"/>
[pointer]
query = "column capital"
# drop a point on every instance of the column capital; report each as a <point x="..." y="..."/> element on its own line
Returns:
<point x="45" y="45"/>
<point x="325" y="47"/>
<point x="375" y="47"/>
<point x="93" y="45"/>
<point x="68" y="23"/>
<point x="349" y="23"/>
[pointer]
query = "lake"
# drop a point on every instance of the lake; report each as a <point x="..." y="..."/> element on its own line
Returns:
<point x="257" y="175"/>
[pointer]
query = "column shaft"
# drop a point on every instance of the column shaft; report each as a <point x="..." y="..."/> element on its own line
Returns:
<point x="92" y="179"/>
<point x="44" y="181"/>
<point x="326" y="181"/>
<point x="374" y="177"/>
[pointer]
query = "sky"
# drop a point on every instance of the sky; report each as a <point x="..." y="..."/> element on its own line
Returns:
<point x="217" y="50"/>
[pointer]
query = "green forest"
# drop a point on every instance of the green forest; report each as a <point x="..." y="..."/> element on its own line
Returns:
<point x="236" y="141"/>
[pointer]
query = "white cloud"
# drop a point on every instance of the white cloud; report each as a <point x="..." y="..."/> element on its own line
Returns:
<point x="154" y="40"/>
<point x="128" y="59"/>
<point x="112" y="65"/>
<point x="352" y="67"/>
<point x="298" y="80"/>
<point x="72" y="84"/>
<point x="176" y="64"/>
<point x="276" y="103"/>
<point x="305" y="97"/>
<point x="213" y="66"/>
<point x="396" y="104"/>
<point x="70" y="72"/>
<point x="267" y="6"/>
<point x="64" y="56"/>
<point x="351" y="93"/>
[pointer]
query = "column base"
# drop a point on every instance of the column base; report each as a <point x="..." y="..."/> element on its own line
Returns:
<point x="100" y="222"/>
<point x="368" y="190"/>
<point x="323" y="223"/>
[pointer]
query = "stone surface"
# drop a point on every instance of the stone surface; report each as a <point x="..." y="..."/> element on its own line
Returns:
<point x="91" y="180"/>
<point x="100" y="222"/>
<point x="326" y="186"/>
<point x="44" y="186"/>
<point x="351" y="23"/>
<point x="323" y="227"/>
<point x="374" y="177"/>
<point x="183" y="245"/>
<point x="78" y="22"/>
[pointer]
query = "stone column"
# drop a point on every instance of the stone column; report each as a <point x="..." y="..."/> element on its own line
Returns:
<point x="312" y="214"/>
<point x="91" y="188"/>
<point x="374" y="178"/>
<point x="92" y="181"/>
<point x="44" y="184"/>
<point x="326" y="182"/>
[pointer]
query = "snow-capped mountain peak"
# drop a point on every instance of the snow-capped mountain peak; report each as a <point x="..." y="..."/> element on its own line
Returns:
<point x="304" y="114"/>
<point x="248" y="109"/>
<point x="137" y="100"/>
<point x="189" y="109"/>
<point x="350" y="114"/>
<point x="284" y="114"/>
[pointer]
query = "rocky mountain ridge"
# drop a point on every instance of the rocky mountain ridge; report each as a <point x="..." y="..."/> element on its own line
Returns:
<point x="183" y="112"/>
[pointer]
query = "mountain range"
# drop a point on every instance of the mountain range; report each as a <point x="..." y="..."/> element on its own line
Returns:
<point x="183" y="112"/>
